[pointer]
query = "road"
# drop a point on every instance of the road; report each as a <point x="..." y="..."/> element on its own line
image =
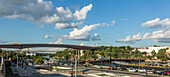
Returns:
<point x="133" y="74"/>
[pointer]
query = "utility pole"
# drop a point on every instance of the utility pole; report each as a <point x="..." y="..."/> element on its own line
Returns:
<point x="110" y="59"/>
<point x="2" y="59"/>
<point x="78" y="59"/>
<point x="119" y="59"/>
<point x="7" y="55"/>
<point x="17" y="59"/>
<point x="76" y="65"/>
<point x="139" y="60"/>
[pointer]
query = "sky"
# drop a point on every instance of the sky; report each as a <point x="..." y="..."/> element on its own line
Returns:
<point x="136" y="23"/>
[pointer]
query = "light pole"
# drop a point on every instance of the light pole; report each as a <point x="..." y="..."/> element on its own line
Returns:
<point x="2" y="59"/>
<point x="17" y="59"/>
<point x="7" y="55"/>
<point x="76" y="65"/>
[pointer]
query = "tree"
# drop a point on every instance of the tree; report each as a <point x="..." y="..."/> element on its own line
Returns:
<point x="128" y="47"/>
<point x="153" y="54"/>
<point x="46" y="59"/>
<point x="144" y="55"/>
<point x="161" y="55"/>
<point x="0" y="50"/>
<point x="155" y="46"/>
<point x="39" y="60"/>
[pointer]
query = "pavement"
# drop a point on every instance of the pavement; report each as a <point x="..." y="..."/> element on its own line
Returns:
<point x="31" y="72"/>
<point x="1" y="74"/>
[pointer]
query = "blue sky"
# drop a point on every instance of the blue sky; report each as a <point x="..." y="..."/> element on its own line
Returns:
<point x="129" y="15"/>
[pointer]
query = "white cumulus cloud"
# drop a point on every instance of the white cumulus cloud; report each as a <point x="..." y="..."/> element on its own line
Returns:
<point x="83" y="34"/>
<point x="59" y="41"/>
<point x="68" y="25"/>
<point x="161" y="36"/>
<point x="81" y="15"/>
<point x="41" y="11"/>
<point x="96" y="36"/>
<point x="157" y="23"/>
<point x="82" y="44"/>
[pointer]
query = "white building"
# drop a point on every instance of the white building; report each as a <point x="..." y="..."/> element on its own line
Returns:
<point x="150" y="49"/>
<point x="30" y="53"/>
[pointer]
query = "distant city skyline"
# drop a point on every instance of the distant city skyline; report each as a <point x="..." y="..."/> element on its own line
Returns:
<point x="136" y="23"/>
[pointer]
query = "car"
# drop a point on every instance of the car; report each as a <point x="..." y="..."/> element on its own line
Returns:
<point x="142" y="70"/>
<point x="71" y="64"/>
<point x="161" y="73"/>
<point x="112" y="68"/>
<point x="123" y="69"/>
<point x="151" y="72"/>
<point x="60" y="63"/>
<point x="84" y="65"/>
<point x="65" y="64"/>
<point x="167" y="73"/>
<point x="99" y="67"/>
<point x="132" y="70"/>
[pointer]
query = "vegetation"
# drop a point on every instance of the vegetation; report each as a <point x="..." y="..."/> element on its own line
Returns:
<point x="39" y="60"/>
<point x="161" y="55"/>
<point x="110" y="52"/>
<point x="113" y="52"/>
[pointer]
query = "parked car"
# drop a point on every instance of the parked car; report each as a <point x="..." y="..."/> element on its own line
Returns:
<point x="84" y="65"/>
<point x="112" y="68"/>
<point x="161" y="73"/>
<point x="60" y="63"/>
<point x="123" y="69"/>
<point x="167" y="73"/>
<point x="132" y="70"/>
<point x="65" y="64"/>
<point x="99" y="67"/>
<point x="142" y="70"/>
<point x="151" y="72"/>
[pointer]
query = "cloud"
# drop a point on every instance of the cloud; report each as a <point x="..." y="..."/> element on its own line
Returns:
<point x="39" y="11"/>
<point x="93" y="44"/>
<point x="157" y="23"/>
<point x="161" y="36"/>
<point x="49" y="36"/>
<point x="96" y="36"/>
<point x="1" y="41"/>
<point x="128" y="40"/>
<point x="84" y="33"/>
<point x="82" y="44"/>
<point x="59" y="41"/>
<point x="113" y="22"/>
<point x="135" y="38"/>
<point x="68" y="25"/>
<point x="81" y="15"/>
<point x="124" y="19"/>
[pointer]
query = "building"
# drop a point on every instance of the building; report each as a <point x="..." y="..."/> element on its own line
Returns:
<point x="30" y="53"/>
<point x="150" y="49"/>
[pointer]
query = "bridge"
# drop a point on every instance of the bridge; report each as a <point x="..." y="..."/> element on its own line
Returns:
<point x="22" y="46"/>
